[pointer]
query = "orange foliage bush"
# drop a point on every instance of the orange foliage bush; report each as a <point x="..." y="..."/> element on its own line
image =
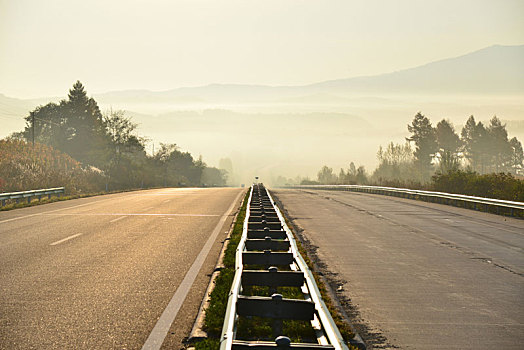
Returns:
<point x="24" y="167"/>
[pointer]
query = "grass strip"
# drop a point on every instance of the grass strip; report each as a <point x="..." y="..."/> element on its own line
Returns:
<point x="216" y="311"/>
<point x="254" y="328"/>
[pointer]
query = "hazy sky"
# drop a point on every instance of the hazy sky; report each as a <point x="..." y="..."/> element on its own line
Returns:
<point x="45" y="45"/>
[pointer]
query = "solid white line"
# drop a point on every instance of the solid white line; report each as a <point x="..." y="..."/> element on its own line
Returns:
<point x="159" y="332"/>
<point x="128" y="214"/>
<point x="52" y="211"/>
<point x="66" y="239"/>
<point x="119" y="218"/>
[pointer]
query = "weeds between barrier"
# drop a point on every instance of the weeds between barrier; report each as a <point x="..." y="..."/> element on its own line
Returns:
<point x="216" y="311"/>
<point x="257" y="327"/>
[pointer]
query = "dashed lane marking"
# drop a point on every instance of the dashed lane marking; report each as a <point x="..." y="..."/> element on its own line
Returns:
<point x="118" y="218"/>
<point x="66" y="239"/>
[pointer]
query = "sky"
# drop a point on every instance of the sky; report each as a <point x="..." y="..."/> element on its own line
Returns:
<point x="46" y="45"/>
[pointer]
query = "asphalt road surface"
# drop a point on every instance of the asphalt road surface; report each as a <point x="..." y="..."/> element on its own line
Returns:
<point x="121" y="271"/>
<point x="418" y="275"/>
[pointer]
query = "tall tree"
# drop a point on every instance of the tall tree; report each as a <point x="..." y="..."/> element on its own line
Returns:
<point x="395" y="164"/>
<point x="47" y="124"/>
<point x="517" y="155"/>
<point x="448" y="146"/>
<point x="74" y="126"/>
<point x="500" y="151"/>
<point x="326" y="176"/>
<point x="126" y="156"/>
<point x="475" y="144"/>
<point x="423" y="135"/>
<point x="85" y="121"/>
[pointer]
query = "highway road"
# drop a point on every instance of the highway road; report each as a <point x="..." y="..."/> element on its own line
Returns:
<point x="120" y="271"/>
<point x="417" y="275"/>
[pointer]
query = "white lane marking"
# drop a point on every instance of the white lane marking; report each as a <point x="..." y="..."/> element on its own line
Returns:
<point x="167" y="201"/>
<point x="20" y="217"/>
<point x="159" y="332"/>
<point x="119" y="218"/>
<point x="128" y="214"/>
<point x="53" y="211"/>
<point x="66" y="239"/>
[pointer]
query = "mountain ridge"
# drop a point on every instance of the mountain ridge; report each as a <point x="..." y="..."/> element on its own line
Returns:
<point x="508" y="76"/>
<point x="491" y="70"/>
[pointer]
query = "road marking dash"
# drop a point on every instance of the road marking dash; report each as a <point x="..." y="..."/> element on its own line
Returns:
<point x="66" y="239"/>
<point x="119" y="218"/>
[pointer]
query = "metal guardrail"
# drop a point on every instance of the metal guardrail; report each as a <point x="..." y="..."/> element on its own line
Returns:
<point x="268" y="242"/>
<point x="28" y="195"/>
<point x="500" y="206"/>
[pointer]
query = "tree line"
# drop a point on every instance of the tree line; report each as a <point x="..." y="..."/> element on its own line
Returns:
<point x="429" y="150"/>
<point x="481" y="161"/>
<point x="109" y="144"/>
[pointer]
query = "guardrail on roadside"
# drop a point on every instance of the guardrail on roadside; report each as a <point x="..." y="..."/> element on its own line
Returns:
<point x="471" y="202"/>
<point x="266" y="243"/>
<point x="28" y="195"/>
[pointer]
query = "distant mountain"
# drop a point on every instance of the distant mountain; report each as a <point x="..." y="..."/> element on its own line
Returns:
<point x="12" y="113"/>
<point x="493" y="70"/>
<point x="14" y="106"/>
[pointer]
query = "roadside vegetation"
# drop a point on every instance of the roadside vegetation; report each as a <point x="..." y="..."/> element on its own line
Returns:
<point x="481" y="161"/>
<point x="215" y="313"/>
<point x="73" y="144"/>
<point x="257" y="327"/>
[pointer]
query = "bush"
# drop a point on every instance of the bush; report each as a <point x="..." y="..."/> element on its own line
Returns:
<point x="24" y="167"/>
<point x="496" y="185"/>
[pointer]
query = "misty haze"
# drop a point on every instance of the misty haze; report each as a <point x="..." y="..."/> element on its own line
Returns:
<point x="292" y="131"/>
<point x="143" y="145"/>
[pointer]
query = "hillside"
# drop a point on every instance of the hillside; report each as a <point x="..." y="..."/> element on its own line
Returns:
<point x="493" y="70"/>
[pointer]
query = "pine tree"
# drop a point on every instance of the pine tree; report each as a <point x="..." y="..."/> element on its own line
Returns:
<point x="475" y="143"/>
<point x="448" y="146"/>
<point x="84" y="120"/>
<point x="423" y="135"/>
<point x="500" y="150"/>
<point x="517" y="155"/>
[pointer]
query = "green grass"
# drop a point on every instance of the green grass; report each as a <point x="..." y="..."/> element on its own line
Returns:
<point x="258" y="328"/>
<point x="216" y="311"/>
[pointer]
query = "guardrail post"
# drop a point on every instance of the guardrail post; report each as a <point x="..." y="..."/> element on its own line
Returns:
<point x="277" y="322"/>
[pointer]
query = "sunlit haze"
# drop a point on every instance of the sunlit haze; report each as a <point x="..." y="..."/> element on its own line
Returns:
<point x="280" y="88"/>
<point x="158" y="45"/>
